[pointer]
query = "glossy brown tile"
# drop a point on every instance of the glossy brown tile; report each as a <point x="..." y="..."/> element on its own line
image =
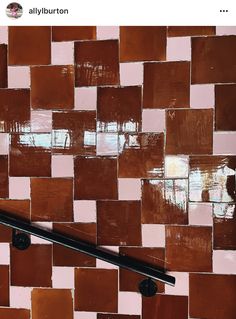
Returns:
<point x="52" y="87"/>
<point x="165" y="201"/>
<point x="119" y="223"/>
<point x="25" y="48"/>
<point x="30" y="154"/>
<point x="52" y="199"/>
<point x="4" y="180"/>
<point x="4" y="287"/>
<point x="212" y="296"/>
<point x="68" y="33"/>
<point x="74" y="132"/>
<point x="141" y="155"/>
<point x="213" y="59"/>
<point x="52" y="303"/>
<point x="97" y="63"/>
<point x="142" y="43"/>
<point x="16" y="207"/>
<point x="6" y="313"/>
<point x="165" y="306"/>
<point x="14" y="110"/>
<point x="119" y="109"/>
<point x="5" y="234"/>
<point x="189" y="131"/>
<point x="129" y="280"/>
<point x="96" y="290"/>
<point x="3" y="65"/>
<point x="31" y="267"/>
<point x="185" y="31"/>
<point x="225" y="100"/>
<point x="189" y="248"/>
<point x="95" y="178"/>
<point x="166" y="85"/>
<point x="116" y="316"/>
<point x="212" y="178"/>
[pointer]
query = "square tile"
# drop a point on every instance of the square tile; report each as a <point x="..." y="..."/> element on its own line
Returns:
<point x="107" y="32"/>
<point x="6" y="313"/>
<point x="4" y="288"/>
<point x="129" y="188"/>
<point x="62" y="53"/>
<point x="181" y="287"/>
<point x="62" y="166"/>
<point x="224" y="143"/>
<point x="131" y="73"/>
<point x="86" y="98"/>
<point x="224" y="261"/>
<point x="85" y="315"/>
<point x="18" y="77"/>
<point x="20" y="297"/>
<point x="200" y="214"/>
<point x="153" y="235"/>
<point x="107" y="144"/>
<point x="41" y="121"/>
<point x="229" y="30"/>
<point x="4" y="254"/>
<point x="3" y="65"/>
<point x="129" y="303"/>
<point x="4" y="144"/>
<point x="202" y="96"/>
<point x="178" y="48"/>
<point x="4" y="34"/>
<point x="63" y="277"/>
<point x="183" y="31"/>
<point x="176" y="166"/>
<point x="71" y="33"/>
<point x="153" y="120"/>
<point x="85" y="211"/>
<point x="4" y="181"/>
<point x="19" y="187"/>
<point x="43" y="225"/>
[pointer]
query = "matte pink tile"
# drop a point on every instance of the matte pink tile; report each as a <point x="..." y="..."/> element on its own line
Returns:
<point x="153" y="235"/>
<point x="62" y="53"/>
<point x="200" y="214"/>
<point x="86" y="98"/>
<point x="4" y="144"/>
<point x="63" y="277"/>
<point x="129" y="188"/>
<point x="224" y="261"/>
<point x="85" y="211"/>
<point x="107" y="144"/>
<point x="131" y="73"/>
<point x="181" y="287"/>
<point x="178" y="48"/>
<point x="229" y="30"/>
<point x="85" y="315"/>
<point x="4" y="254"/>
<point x="106" y="265"/>
<point x="202" y="96"/>
<point x="129" y="303"/>
<point x="19" y="187"/>
<point x="38" y="240"/>
<point x="224" y="143"/>
<point x="41" y="121"/>
<point x="20" y="297"/>
<point x="4" y="34"/>
<point x="176" y="166"/>
<point x="153" y="120"/>
<point x="18" y="77"/>
<point x="107" y="32"/>
<point x="62" y="166"/>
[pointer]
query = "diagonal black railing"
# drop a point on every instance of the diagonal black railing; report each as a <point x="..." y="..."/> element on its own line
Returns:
<point x="147" y="287"/>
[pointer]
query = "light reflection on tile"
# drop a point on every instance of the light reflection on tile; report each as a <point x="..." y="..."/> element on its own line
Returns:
<point x="176" y="166"/>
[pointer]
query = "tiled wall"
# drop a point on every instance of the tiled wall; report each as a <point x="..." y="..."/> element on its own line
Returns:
<point x="125" y="138"/>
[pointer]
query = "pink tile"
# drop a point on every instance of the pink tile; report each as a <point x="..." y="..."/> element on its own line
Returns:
<point x="20" y="297"/>
<point x="129" y="303"/>
<point x="4" y="144"/>
<point x="62" y="166"/>
<point x="178" y="48"/>
<point x="230" y="30"/>
<point x="224" y="143"/>
<point x="181" y="287"/>
<point x="4" y="34"/>
<point x="41" y="121"/>
<point x="4" y="254"/>
<point x="107" y="143"/>
<point x="153" y="120"/>
<point x="63" y="277"/>
<point x="202" y="96"/>
<point x="18" y="77"/>
<point x="86" y="98"/>
<point x="19" y="187"/>
<point x="85" y="211"/>
<point x="106" y="32"/>
<point x="38" y="240"/>
<point x="129" y="189"/>
<point x="176" y="166"/>
<point x="153" y="235"/>
<point x="62" y="53"/>
<point x="131" y="73"/>
<point x="85" y="315"/>
<point x="224" y="261"/>
<point x="105" y="265"/>
<point x="200" y="214"/>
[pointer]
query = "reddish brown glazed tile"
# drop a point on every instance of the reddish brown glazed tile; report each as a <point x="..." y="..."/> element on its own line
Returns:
<point x="164" y="201"/>
<point x="95" y="178"/>
<point x="115" y="316"/>
<point x="17" y="208"/>
<point x="3" y="65"/>
<point x="52" y="303"/>
<point x="189" y="131"/>
<point x="74" y="132"/>
<point x="179" y="31"/>
<point x="4" y="180"/>
<point x="119" y="109"/>
<point x="141" y="155"/>
<point x="225" y="100"/>
<point x="129" y="280"/>
<point x="146" y="43"/>
<point x="6" y="313"/>
<point x="96" y="290"/>
<point x="212" y="178"/>
<point x="189" y="248"/>
<point x="67" y="33"/>
<point x="212" y="296"/>
<point x="4" y="287"/>
<point x="5" y="234"/>
<point x="14" y="110"/>
<point x="119" y="223"/>
<point x="30" y="154"/>
<point x="166" y="85"/>
<point x="213" y="59"/>
<point x="31" y="267"/>
<point x="97" y="63"/>
<point x="24" y="46"/>
<point x="63" y="256"/>
<point x="51" y="199"/>
<point x="166" y="307"/>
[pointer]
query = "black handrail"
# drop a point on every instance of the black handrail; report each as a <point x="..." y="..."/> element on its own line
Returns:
<point x="87" y="248"/>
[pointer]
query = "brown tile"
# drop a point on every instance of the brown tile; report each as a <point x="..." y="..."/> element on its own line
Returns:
<point x="115" y="316"/>
<point x="4" y="180"/>
<point x="52" y="199"/>
<point x="225" y="100"/>
<point x="29" y="45"/>
<point x="212" y="296"/>
<point x="4" y="287"/>
<point x="68" y="33"/>
<point x="30" y="154"/>
<point x="129" y="280"/>
<point x="166" y="85"/>
<point x="52" y="303"/>
<point x="189" y="248"/>
<point x="166" y="307"/>
<point x="165" y="201"/>
<point x="141" y="155"/>
<point x="146" y="43"/>
<point x="15" y="110"/>
<point x="212" y="178"/>
<point x="63" y="256"/>
<point x="5" y="234"/>
<point x="3" y="65"/>
<point x="74" y="132"/>
<point x="95" y="178"/>
<point x="31" y="267"/>
<point x="213" y="59"/>
<point x="189" y="131"/>
<point x="97" y="63"/>
<point x="16" y="207"/>
<point x="52" y="87"/>
<point x="179" y="31"/>
<point x="119" y="223"/>
<point x="6" y="313"/>
<point x="224" y="226"/>
<point x="96" y="290"/>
